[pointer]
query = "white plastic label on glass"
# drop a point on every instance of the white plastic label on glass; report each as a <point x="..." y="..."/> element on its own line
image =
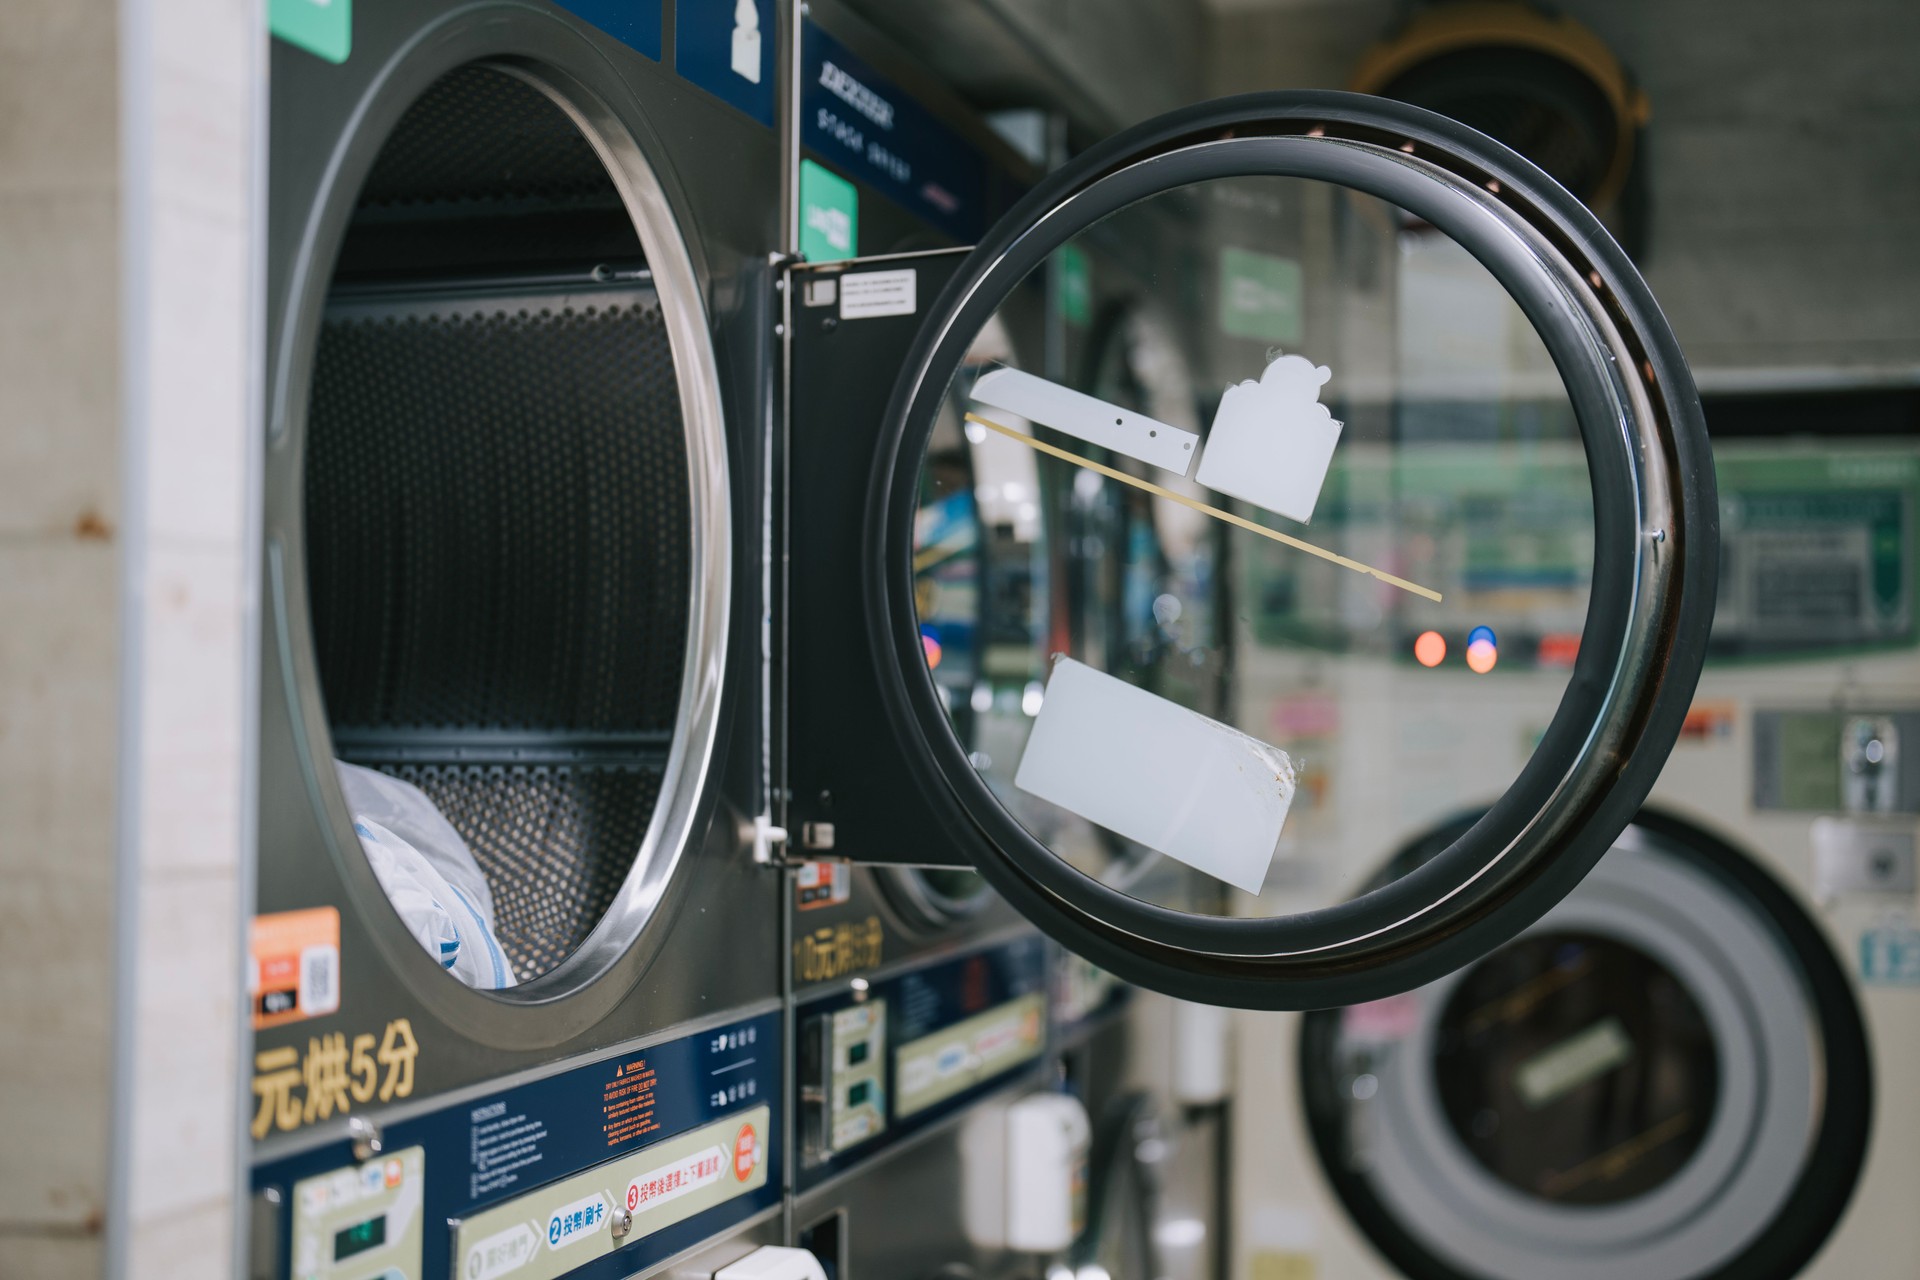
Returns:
<point x="1087" y="418"/>
<point x="1272" y="440"/>
<point x="1159" y="774"/>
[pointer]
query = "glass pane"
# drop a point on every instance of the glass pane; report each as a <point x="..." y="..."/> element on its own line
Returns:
<point x="1576" y="1069"/>
<point x="1284" y="552"/>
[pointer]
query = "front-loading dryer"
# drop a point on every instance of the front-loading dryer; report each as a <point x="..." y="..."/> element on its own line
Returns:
<point x="516" y="975"/>
<point x="470" y="635"/>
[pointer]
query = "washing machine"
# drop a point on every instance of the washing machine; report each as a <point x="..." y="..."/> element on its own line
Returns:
<point x="451" y="614"/>
<point x="516" y="974"/>
<point x="1689" y="1068"/>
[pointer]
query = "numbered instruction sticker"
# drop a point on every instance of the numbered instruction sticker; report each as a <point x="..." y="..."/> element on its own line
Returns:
<point x="553" y="1231"/>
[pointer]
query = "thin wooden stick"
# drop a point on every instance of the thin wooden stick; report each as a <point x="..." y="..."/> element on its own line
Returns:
<point x="1232" y="519"/>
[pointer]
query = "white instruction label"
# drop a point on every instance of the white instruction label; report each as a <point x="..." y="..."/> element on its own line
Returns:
<point x="1159" y="774"/>
<point x="877" y="293"/>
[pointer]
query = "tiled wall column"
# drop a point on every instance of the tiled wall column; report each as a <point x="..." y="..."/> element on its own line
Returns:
<point x="126" y="635"/>
<point x="191" y="75"/>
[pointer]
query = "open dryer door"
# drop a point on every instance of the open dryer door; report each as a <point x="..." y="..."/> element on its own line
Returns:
<point x="1403" y="315"/>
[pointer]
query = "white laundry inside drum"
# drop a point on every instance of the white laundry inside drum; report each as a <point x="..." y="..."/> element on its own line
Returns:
<point x="428" y="873"/>
<point x="1272" y="440"/>
<point x="1158" y="774"/>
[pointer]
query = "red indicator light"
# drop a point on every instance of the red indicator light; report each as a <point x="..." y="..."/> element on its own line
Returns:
<point x="1559" y="649"/>
<point x="1430" y="650"/>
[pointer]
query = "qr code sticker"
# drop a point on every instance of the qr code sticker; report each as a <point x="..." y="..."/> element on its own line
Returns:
<point x="319" y="980"/>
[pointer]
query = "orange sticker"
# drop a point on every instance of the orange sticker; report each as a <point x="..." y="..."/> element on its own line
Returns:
<point x="821" y="884"/>
<point x="295" y="969"/>
<point x="1708" y="721"/>
<point x="746" y="1152"/>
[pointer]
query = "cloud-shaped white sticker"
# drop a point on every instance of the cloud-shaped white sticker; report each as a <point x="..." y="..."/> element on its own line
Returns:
<point x="1272" y="440"/>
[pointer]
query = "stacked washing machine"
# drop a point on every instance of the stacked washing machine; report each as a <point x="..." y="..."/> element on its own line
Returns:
<point x="1691" y="1066"/>
<point x="669" y="739"/>
<point x="924" y="1004"/>
<point x="517" y="981"/>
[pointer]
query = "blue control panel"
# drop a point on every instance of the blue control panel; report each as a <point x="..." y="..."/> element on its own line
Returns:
<point x="595" y="1172"/>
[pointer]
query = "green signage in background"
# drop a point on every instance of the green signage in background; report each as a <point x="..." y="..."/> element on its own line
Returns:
<point x="1259" y="296"/>
<point x="829" y="215"/>
<point x="323" y="28"/>
<point x="1075" y="283"/>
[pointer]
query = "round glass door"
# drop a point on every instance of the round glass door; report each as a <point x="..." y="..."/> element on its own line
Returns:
<point x="1438" y="454"/>
<point x="504" y="511"/>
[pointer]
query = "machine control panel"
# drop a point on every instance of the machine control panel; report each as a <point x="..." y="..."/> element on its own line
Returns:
<point x="1084" y="995"/>
<point x="362" y="1220"/>
<point x="845" y="1094"/>
<point x="593" y="1172"/>
<point x="1836" y="761"/>
<point x="591" y="1214"/>
<point x="884" y="1058"/>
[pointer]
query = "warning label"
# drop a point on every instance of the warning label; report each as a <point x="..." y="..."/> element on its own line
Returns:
<point x="626" y="1109"/>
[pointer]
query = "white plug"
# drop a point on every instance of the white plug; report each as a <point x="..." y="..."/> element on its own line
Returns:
<point x="774" y="1262"/>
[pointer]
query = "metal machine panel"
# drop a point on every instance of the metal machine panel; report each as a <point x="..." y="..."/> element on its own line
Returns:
<point x="879" y="1220"/>
<point x="842" y="772"/>
<point x="595" y="1170"/>
<point x="386" y="271"/>
<point x="879" y="1060"/>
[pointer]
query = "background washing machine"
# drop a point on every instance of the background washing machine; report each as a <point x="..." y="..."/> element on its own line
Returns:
<point x="1732" y="979"/>
<point x="518" y="363"/>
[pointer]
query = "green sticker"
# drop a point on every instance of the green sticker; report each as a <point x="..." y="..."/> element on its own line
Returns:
<point x="1259" y="296"/>
<point x="829" y="215"/>
<point x="1076" y="286"/>
<point x="323" y="28"/>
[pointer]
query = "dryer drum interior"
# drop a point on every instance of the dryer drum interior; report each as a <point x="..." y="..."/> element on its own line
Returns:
<point x="499" y="523"/>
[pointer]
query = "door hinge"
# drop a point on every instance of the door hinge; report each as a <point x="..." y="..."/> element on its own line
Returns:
<point x="765" y="837"/>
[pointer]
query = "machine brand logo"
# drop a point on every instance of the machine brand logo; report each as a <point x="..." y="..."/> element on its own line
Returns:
<point x="856" y="95"/>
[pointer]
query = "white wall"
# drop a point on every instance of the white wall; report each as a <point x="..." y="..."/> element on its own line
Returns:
<point x="60" y="530"/>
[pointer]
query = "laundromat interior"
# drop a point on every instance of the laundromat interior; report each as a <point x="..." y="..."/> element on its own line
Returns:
<point x="959" y="640"/>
